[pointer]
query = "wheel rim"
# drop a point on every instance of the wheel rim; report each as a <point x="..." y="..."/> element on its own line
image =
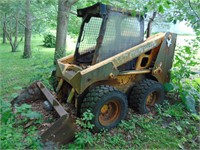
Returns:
<point x="151" y="100"/>
<point x="109" y="112"/>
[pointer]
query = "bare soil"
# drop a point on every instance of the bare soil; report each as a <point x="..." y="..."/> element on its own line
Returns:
<point x="49" y="117"/>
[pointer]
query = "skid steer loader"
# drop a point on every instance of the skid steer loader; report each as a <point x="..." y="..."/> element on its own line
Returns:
<point x="113" y="68"/>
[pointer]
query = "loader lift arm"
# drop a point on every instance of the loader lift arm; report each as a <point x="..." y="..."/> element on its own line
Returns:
<point x="108" y="68"/>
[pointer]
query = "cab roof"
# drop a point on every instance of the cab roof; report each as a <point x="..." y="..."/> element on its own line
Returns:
<point x="99" y="9"/>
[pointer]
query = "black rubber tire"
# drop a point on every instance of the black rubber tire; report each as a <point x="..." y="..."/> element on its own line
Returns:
<point x="98" y="97"/>
<point x="141" y="90"/>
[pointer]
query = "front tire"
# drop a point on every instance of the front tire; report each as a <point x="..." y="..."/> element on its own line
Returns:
<point x="108" y="105"/>
<point x="145" y="94"/>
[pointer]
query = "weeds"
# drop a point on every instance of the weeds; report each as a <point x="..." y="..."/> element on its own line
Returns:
<point x="84" y="137"/>
<point x="13" y="133"/>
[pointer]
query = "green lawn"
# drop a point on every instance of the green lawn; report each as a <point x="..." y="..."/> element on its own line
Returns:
<point x="16" y="72"/>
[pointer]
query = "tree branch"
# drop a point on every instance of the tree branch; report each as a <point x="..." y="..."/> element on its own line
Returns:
<point x="193" y="10"/>
<point x="7" y="33"/>
<point x="22" y="24"/>
<point x="149" y="26"/>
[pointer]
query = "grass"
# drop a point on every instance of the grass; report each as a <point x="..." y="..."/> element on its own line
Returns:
<point x="165" y="130"/>
<point x="172" y="128"/>
<point x="16" y="72"/>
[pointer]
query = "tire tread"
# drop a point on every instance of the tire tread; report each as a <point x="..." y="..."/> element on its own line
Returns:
<point x="136" y="98"/>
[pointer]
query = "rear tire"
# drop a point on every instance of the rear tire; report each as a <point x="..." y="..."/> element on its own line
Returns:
<point x="145" y="94"/>
<point x="108" y="105"/>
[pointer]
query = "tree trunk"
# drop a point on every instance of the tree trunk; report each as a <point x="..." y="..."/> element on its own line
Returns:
<point x="14" y="48"/>
<point x="27" y="42"/>
<point x="64" y="7"/>
<point x="4" y="37"/>
<point x="16" y="32"/>
<point x="4" y="32"/>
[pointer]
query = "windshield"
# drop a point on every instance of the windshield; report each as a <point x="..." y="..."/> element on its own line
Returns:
<point x="90" y="35"/>
<point x="122" y="33"/>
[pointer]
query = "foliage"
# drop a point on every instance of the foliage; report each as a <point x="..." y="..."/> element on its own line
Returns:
<point x="44" y="14"/>
<point x="49" y="41"/>
<point x="167" y="110"/>
<point x="84" y="136"/>
<point x="183" y="84"/>
<point x="43" y="73"/>
<point x="13" y="133"/>
<point x="25" y="111"/>
<point x="186" y="10"/>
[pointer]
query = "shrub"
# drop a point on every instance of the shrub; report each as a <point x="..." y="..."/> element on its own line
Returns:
<point x="183" y="85"/>
<point x="49" y="41"/>
<point x="83" y="137"/>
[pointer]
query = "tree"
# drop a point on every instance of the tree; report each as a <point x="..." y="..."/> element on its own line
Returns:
<point x="27" y="42"/>
<point x="64" y="7"/>
<point x="12" y="10"/>
<point x="13" y="32"/>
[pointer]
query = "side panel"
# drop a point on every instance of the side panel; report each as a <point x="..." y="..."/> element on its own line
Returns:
<point x="163" y="64"/>
<point x="108" y="68"/>
<point x="81" y="81"/>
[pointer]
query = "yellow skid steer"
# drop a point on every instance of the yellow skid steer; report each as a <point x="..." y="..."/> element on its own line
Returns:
<point x="113" y="67"/>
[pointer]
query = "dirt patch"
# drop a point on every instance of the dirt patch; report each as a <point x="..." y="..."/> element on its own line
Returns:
<point x="49" y="117"/>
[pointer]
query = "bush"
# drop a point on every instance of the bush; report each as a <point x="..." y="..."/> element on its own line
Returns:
<point x="184" y="86"/>
<point x="49" y="41"/>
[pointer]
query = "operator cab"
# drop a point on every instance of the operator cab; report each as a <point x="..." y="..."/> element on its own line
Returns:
<point x="106" y="31"/>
